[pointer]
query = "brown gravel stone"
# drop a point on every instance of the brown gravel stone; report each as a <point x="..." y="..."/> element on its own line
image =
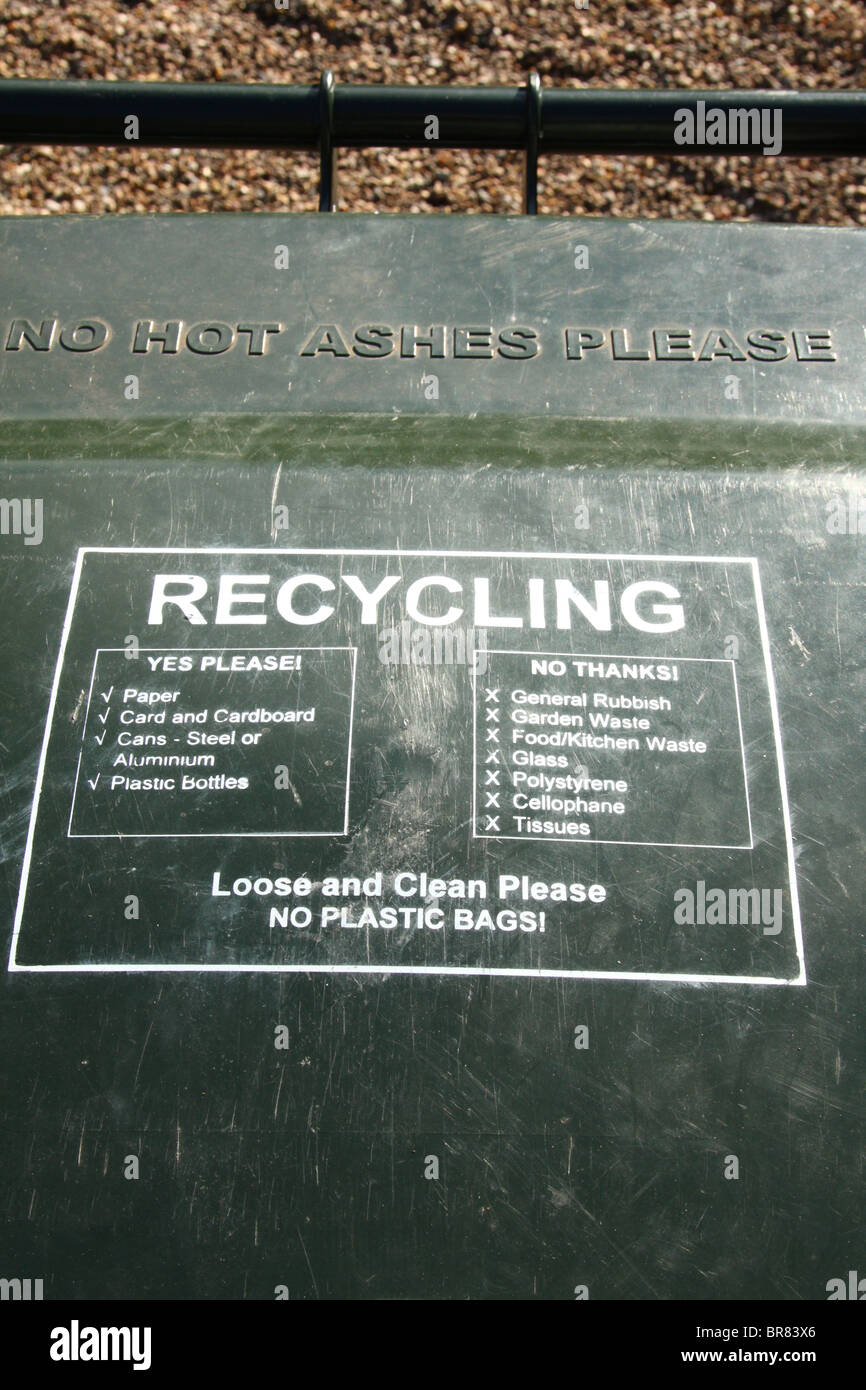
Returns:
<point x="630" y="43"/>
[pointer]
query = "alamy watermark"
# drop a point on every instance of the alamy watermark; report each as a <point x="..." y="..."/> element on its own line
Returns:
<point x="22" y="516"/>
<point x="732" y="907"/>
<point x="413" y="644"/>
<point x="733" y="125"/>
<point x="21" y="1290"/>
<point x="853" y="1288"/>
<point x="77" y="1343"/>
<point x="846" y="515"/>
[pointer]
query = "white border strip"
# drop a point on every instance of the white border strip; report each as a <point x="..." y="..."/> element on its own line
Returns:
<point x="40" y="772"/>
<point x="783" y="785"/>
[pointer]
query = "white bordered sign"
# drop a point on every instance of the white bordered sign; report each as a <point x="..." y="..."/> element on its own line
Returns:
<point x="422" y="762"/>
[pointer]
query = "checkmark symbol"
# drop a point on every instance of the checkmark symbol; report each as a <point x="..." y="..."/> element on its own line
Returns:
<point x="107" y="697"/>
<point x="103" y="718"/>
<point x="92" y="782"/>
<point x="100" y="738"/>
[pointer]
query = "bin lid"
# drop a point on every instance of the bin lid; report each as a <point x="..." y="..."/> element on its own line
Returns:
<point x="457" y="315"/>
<point x="431" y="734"/>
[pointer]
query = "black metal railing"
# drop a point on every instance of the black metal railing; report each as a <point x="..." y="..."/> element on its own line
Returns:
<point x="327" y="117"/>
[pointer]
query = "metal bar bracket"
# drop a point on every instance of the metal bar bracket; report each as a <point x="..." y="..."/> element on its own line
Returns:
<point x="327" y="157"/>
<point x="533" y="137"/>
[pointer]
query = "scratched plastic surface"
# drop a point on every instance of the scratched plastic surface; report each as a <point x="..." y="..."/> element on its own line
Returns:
<point x="561" y="1167"/>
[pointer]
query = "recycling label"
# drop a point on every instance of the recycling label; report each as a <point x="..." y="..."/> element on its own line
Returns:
<point x="412" y="762"/>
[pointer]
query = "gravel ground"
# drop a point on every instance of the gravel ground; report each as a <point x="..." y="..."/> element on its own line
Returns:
<point x="632" y="43"/>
